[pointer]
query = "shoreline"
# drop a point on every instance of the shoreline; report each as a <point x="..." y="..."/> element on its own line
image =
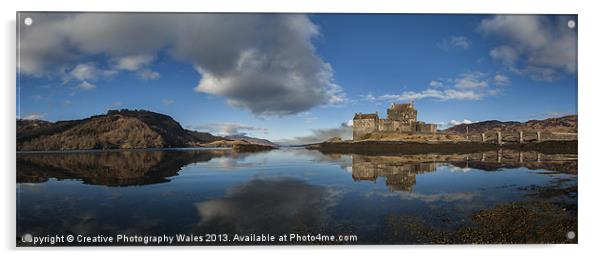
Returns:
<point x="121" y="150"/>
<point x="405" y="148"/>
<point x="239" y="148"/>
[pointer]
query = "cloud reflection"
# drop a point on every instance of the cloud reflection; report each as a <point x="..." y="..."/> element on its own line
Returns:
<point x="269" y="206"/>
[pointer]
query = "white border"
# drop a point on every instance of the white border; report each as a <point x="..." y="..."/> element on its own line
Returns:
<point x="589" y="105"/>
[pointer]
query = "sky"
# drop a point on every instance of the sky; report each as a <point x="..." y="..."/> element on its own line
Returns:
<point x="296" y="78"/>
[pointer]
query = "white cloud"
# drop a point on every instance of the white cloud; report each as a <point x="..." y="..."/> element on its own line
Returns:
<point x="138" y="64"/>
<point x="369" y="97"/>
<point x="241" y="57"/>
<point x="542" y="47"/>
<point x="453" y="94"/>
<point x="133" y="62"/>
<point x="336" y="95"/>
<point x="505" y="54"/>
<point x="467" y="86"/>
<point x="539" y="73"/>
<point x="455" y="122"/>
<point x="34" y="116"/>
<point x="89" y="71"/>
<point x="344" y="131"/>
<point x="501" y="80"/>
<point x="147" y="74"/>
<point x="167" y="102"/>
<point x="460" y="42"/>
<point x="471" y="81"/>
<point x="443" y="95"/>
<point x="85" y="85"/>
<point x="84" y="72"/>
<point x="435" y="83"/>
<point x="229" y="128"/>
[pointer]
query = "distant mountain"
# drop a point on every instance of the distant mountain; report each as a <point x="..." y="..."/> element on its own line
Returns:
<point x="563" y="124"/>
<point x="114" y="130"/>
<point x="257" y="141"/>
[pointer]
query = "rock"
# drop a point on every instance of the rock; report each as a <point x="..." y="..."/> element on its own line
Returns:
<point x="334" y="139"/>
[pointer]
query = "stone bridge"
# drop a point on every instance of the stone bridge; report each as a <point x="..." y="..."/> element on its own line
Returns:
<point x="500" y="137"/>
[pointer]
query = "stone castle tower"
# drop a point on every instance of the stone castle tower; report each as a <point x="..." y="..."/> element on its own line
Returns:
<point x="404" y="112"/>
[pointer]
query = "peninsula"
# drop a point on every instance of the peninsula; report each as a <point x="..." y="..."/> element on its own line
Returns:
<point x="402" y="132"/>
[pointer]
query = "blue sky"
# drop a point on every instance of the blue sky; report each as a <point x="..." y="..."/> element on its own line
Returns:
<point x="296" y="78"/>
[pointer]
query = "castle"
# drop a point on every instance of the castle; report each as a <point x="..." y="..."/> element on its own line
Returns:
<point x="401" y="118"/>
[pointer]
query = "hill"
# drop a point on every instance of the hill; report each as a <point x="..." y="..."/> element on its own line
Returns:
<point x="118" y="129"/>
<point x="567" y="124"/>
<point x="257" y="141"/>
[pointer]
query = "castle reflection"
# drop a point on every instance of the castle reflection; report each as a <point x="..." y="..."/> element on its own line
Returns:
<point x="400" y="172"/>
<point x="399" y="176"/>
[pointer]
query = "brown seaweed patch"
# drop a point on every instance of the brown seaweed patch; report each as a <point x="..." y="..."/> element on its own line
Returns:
<point x="531" y="222"/>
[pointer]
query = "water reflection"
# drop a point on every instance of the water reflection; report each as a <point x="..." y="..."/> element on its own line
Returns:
<point x="400" y="175"/>
<point x="268" y="206"/>
<point x="149" y="167"/>
<point x="109" y="168"/>
<point x="495" y="160"/>
<point x="400" y="171"/>
<point x="423" y="198"/>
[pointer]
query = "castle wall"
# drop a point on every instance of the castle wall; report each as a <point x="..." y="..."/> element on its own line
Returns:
<point x="393" y="126"/>
<point x="426" y="127"/>
<point x="362" y="127"/>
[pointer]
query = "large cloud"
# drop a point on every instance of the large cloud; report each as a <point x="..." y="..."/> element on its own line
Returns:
<point x="542" y="47"/>
<point x="263" y="62"/>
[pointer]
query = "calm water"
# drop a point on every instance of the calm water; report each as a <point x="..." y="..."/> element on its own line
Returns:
<point x="380" y="199"/>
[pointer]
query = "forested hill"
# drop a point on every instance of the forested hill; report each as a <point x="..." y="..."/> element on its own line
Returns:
<point x="561" y="124"/>
<point x="117" y="129"/>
